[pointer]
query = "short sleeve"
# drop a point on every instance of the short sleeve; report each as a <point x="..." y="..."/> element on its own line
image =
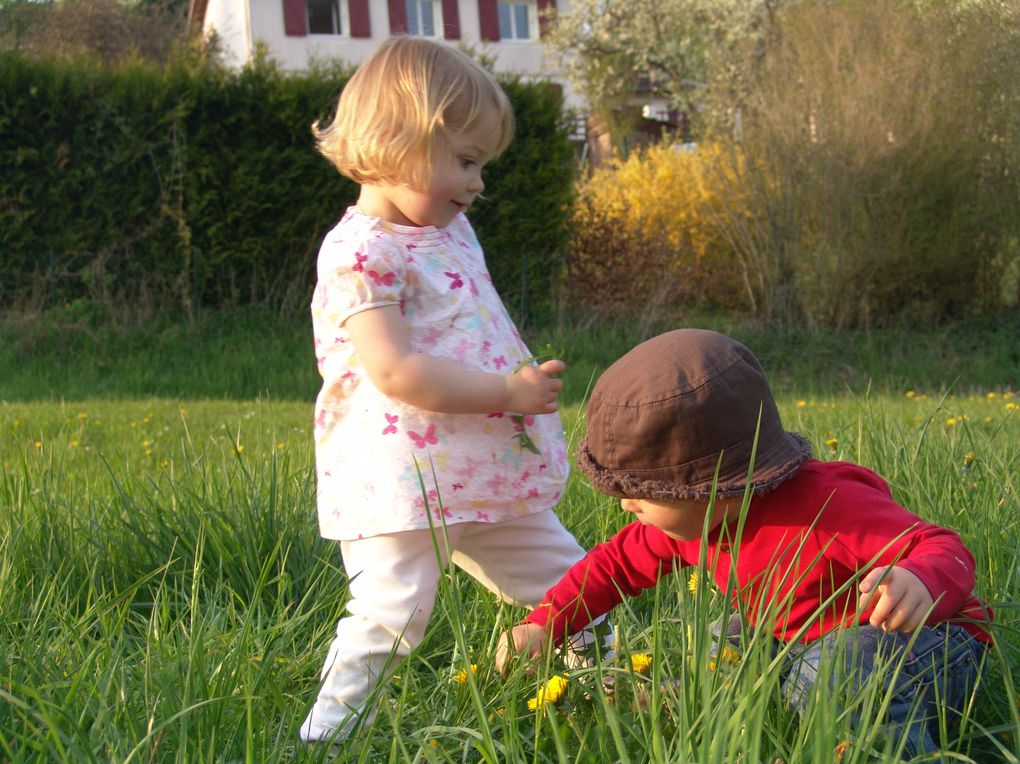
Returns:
<point x="359" y="272"/>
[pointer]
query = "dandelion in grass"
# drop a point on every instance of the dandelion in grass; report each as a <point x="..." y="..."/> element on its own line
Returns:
<point x="640" y="663"/>
<point x="1011" y="406"/>
<point x="728" y="657"/>
<point x="461" y="676"/>
<point x="38" y="445"/>
<point x="693" y="582"/>
<point x="968" y="458"/>
<point x="83" y="415"/>
<point x="910" y="393"/>
<point x="801" y="404"/>
<point x="551" y="692"/>
<point x="832" y="443"/>
<point x="951" y="422"/>
<point x="74" y="444"/>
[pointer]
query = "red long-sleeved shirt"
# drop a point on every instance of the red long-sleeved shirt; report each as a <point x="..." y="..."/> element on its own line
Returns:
<point x="802" y="542"/>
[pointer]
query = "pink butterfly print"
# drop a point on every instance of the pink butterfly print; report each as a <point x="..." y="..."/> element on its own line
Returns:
<point x="349" y="376"/>
<point x="470" y="465"/>
<point x="482" y="517"/>
<point x="320" y="419"/>
<point x="542" y="467"/>
<point x="532" y="493"/>
<point x="500" y="361"/>
<point x="391" y="427"/>
<point x="384" y="280"/>
<point x="496" y="483"/>
<point x="319" y="360"/>
<point x="437" y="510"/>
<point x="458" y="486"/>
<point x="428" y="437"/>
<point x="474" y="289"/>
<point x="359" y="265"/>
<point x="486" y="346"/>
<point x="432" y="337"/>
<point x="455" y="280"/>
<point x="462" y="347"/>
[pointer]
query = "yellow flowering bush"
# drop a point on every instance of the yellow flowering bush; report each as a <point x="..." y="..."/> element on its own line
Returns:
<point x="645" y="232"/>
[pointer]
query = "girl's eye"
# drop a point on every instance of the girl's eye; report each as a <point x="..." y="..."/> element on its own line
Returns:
<point x="467" y="161"/>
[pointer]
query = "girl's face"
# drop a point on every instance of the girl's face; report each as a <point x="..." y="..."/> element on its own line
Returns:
<point x="682" y="520"/>
<point x="456" y="181"/>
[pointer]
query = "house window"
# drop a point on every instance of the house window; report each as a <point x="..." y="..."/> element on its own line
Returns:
<point x="515" y="19"/>
<point x="324" y="17"/>
<point x="421" y="17"/>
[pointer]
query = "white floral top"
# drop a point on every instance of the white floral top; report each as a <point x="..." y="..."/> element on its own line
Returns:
<point x="381" y="463"/>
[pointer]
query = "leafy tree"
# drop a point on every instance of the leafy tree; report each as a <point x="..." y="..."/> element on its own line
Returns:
<point x="613" y="49"/>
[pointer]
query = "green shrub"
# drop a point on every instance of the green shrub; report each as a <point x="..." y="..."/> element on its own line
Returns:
<point x="190" y="185"/>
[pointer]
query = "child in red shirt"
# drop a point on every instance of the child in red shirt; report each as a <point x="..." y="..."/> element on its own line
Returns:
<point x="824" y="548"/>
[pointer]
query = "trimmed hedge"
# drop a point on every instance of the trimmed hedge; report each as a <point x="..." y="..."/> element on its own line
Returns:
<point x="192" y="186"/>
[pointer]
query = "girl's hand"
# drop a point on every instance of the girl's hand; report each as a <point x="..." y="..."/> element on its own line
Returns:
<point x="528" y="638"/>
<point x="903" y="600"/>
<point x="533" y="389"/>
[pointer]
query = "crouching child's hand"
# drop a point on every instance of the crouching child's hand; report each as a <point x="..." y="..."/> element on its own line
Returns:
<point x="901" y="602"/>
<point x="527" y="639"/>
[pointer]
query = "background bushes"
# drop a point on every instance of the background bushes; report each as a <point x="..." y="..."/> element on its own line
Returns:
<point x="190" y="185"/>
<point x="868" y="171"/>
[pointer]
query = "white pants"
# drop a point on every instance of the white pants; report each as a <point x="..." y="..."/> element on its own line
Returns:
<point x="393" y="583"/>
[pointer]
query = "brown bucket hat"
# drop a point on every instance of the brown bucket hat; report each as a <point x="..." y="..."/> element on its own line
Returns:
<point x="661" y="416"/>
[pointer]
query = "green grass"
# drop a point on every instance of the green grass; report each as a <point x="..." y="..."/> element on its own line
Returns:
<point x="164" y="594"/>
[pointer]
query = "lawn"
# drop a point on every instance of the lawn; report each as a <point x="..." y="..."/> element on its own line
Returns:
<point x="166" y="597"/>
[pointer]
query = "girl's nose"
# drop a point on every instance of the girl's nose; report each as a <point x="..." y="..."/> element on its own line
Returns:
<point x="476" y="185"/>
<point x="629" y="505"/>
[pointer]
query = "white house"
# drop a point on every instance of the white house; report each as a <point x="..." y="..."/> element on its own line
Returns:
<point x="298" y="32"/>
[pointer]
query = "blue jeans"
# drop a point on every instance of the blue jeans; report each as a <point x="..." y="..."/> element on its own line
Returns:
<point x="929" y="673"/>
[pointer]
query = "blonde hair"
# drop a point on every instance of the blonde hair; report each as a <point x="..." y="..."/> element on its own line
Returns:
<point x="402" y="106"/>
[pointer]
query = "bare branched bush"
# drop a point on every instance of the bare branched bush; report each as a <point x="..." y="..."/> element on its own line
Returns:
<point x="878" y="158"/>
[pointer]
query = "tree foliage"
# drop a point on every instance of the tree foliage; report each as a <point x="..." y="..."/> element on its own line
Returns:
<point x="613" y="49"/>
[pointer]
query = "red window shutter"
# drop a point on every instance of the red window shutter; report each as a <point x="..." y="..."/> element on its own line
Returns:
<point x="546" y="10"/>
<point x="398" y="17"/>
<point x="451" y="20"/>
<point x="488" y="20"/>
<point x="294" y="22"/>
<point x="361" y="23"/>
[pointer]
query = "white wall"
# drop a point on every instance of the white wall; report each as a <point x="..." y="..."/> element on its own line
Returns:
<point x="239" y="23"/>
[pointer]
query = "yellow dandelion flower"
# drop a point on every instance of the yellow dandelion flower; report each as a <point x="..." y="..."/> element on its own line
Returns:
<point x="832" y="443"/>
<point x="968" y="458"/>
<point x="1008" y="395"/>
<point x="640" y="662"/>
<point x="146" y="443"/>
<point x="240" y="448"/>
<point x="910" y="393"/>
<point x="728" y="656"/>
<point x="1011" y="406"/>
<point x="462" y="677"/>
<point x="551" y="692"/>
<point x="83" y="415"/>
<point x="74" y="444"/>
<point x="148" y="452"/>
<point x="692" y="582"/>
<point x="280" y="446"/>
<point x="991" y="396"/>
<point x="164" y="463"/>
<point x="801" y="404"/>
<point x="987" y="420"/>
<point x="434" y="744"/>
<point x="951" y="422"/>
<point x="38" y="444"/>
